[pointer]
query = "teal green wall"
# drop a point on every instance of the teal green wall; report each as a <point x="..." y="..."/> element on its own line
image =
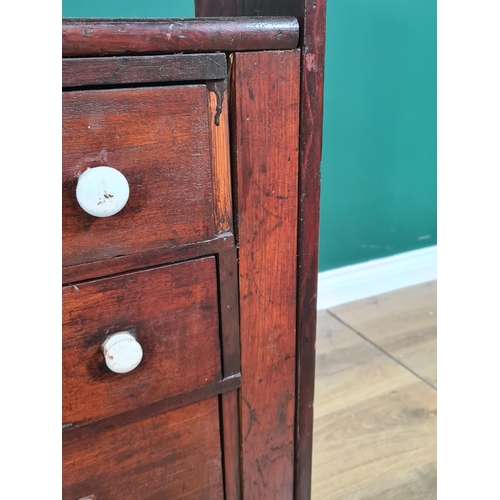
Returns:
<point x="378" y="194"/>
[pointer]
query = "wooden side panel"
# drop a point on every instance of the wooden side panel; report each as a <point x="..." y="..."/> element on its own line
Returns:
<point x="231" y="444"/>
<point x="172" y="455"/>
<point x="265" y="95"/>
<point x="313" y="21"/>
<point x="221" y="167"/>
<point x="311" y="15"/>
<point x="229" y="317"/>
<point x="173" y="313"/>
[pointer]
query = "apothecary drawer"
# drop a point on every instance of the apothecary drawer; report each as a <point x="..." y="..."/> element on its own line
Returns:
<point x="158" y="139"/>
<point x="169" y="319"/>
<point x="176" y="454"/>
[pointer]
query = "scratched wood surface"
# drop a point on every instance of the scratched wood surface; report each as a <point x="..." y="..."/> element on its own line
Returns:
<point x="172" y="311"/>
<point x="80" y="272"/>
<point x="311" y="16"/>
<point x="101" y="37"/>
<point x="84" y="71"/>
<point x="88" y="429"/>
<point x="231" y="365"/>
<point x="229" y="312"/>
<point x="375" y="419"/>
<point x="220" y="148"/>
<point x="176" y="454"/>
<point x="231" y="444"/>
<point x="265" y="97"/>
<point x="159" y="138"/>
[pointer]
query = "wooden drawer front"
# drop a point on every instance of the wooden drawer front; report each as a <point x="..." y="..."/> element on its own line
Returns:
<point x="173" y="455"/>
<point x="159" y="139"/>
<point x="173" y="313"/>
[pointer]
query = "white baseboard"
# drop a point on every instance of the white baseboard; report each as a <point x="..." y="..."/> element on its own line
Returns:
<point x="359" y="281"/>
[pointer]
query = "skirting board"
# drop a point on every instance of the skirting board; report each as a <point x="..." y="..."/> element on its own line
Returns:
<point x="359" y="281"/>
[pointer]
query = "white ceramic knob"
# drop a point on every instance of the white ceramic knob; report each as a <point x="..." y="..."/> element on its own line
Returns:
<point x="102" y="191"/>
<point x="122" y="352"/>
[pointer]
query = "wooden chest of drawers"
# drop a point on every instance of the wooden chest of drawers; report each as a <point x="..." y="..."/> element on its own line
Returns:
<point x="189" y="313"/>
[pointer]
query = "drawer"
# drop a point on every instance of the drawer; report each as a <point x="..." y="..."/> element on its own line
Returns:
<point x="159" y="139"/>
<point x="172" y="455"/>
<point x="172" y="311"/>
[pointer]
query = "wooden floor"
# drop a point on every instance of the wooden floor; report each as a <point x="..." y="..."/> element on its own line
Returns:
<point x="375" y="398"/>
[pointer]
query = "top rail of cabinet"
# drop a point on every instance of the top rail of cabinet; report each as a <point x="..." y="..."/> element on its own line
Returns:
<point x="113" y="37"/>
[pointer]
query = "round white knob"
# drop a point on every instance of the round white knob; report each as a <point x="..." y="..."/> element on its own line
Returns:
<point x="102" y="191"/>
<point x="122" y="352"/>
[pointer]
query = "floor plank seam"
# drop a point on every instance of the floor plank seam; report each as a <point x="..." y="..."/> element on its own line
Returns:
<point x="381" y="350"/>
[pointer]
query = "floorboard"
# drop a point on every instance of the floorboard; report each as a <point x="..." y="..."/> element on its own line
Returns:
<point x="375" y="418"/>
<point x="402" y="322"/>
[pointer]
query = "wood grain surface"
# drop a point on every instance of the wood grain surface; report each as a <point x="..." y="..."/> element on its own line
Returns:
<point x="172" y="311"/>
<point x="85" y="430"/>
<point x="276" y="182"/>
<point x="375" y="420"/>
<point x="402" y="323"/>
<point x="265" y="96"/>
<point x="229" y="312"/>
<point x="159" y="139"/>
<point x="312" y="18"/>
<point x="84" y="71"/>
<point x="311" y="15"/>
<point x="172" y="455"/>
<point x="231" y="365"/>
<point x="221" y="243"/>
<point x="102" y="37"/>
<point x="231" y="444"/>
<point x="220" y="148"/>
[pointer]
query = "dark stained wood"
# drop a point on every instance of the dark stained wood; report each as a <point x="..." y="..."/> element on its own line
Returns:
<point x="78" y="72"/>
<point x="173" y="313"/>
<point x="238" y="8"/>
<point x="265" y="131"/>
<point x="105" y="37"/>
<point x="159" y="138"/>
<point x="268" y="435"/>
<point x="231" y="364"/>
<point x="231" y="444"/>
<point x="74" y="274"/>
<point x="311" y="15"/>
<point x="226" y="8"/>
<point x="75" y="432"/>
<point x="220" y="147"/>
<point x="313" y="23"/>
<point x="229" y="315"/>
<point x="172" y="455"/>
